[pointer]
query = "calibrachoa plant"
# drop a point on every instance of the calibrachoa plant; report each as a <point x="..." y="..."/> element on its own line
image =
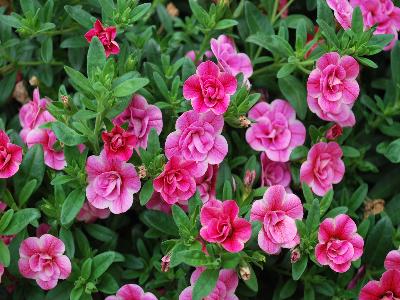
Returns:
<point x="200" y="150"/>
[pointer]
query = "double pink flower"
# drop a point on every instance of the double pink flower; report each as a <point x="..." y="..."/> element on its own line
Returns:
<point x="10" y="156"/>
<point x="106" y="36"/>
<point x="274" y="172"/>
<point x="132" y="292"/>
<point x="118" y="143"/>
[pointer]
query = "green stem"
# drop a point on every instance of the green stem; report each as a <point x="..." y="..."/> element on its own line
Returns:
<point x="203" y="46"/>
<point x="282" y="11"/>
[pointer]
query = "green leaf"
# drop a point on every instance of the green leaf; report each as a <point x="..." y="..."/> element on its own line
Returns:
<point x="286" y="70"/>
<point x="74" y="42"/>
<point x="20" y="220"/>
<point x="325" y="13"/>
<point x="4" y="254"/>
<point x="27" y="7"/>
<point x="308" y="194"/>
<point x="146" y="192"/>
<point x="139" y="11"/>
<point x="328" y="32"/>
<point x="313" y="217"/>
<point x="100" y="233"/>
<point x="298" y="153"/>
<point x="67" y="237"/>
<point x="230" y="260"/>
<point x="6" y="219"/>
<point x="205" y="284"/>
<point x="336" y="211"/>
<point x="299" y="267"/>
<point x="350" y="152"/>
<point x="101" y="263"/>
<point x="395" y="66"/>
<point x="392" y="209"/>
<point x="295" y="92"/>
<point x="301" y="34"/>
<point x="160" y="221"/>
<point x="72" y="205"/>
<point x="96" y="57"/>
<point x="226" y="23"/>
<point x="199" y="13"/>
<point x="161" y="85"/>
<point x="153" y="143"/>
<point x="130" y="86"/>
<point x="79" y="15"/>
<point x="252" y="283"/>
<point x="108" y="284"/>
<point x="11" y="20"/>
<point x="256" y="21"/>
<point x="79" y="81"/>
<point x="392" y="151"/>
<point x="227" y="191"/>
<point x="46" y="50"/>
<point x="66" y="135"/>
<point x="180" y="218"/>
<point x="358" y="197"/>
<point x="288" y="289"/>
<point x="86" y="269"/>
<point x="357" y="24"/>
<point x="367" y="62"/>
<point x="27" y="191"/>
<point x="326" y="202"/>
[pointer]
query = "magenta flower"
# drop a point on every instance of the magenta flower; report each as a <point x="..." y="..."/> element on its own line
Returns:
<point x="132" y="292"/>
<point x="42" y="259"/>
<point x="118" y="143"/>
<point x="106" y="36"/>
<point x="206" y="184"/>
<point x="53" y="158"/>
<point x="198" y="138"/>
<point x="274" y="172"/>
<point x="277" y="211"/>
<point x="334" y="132"/>
<point x="10" y="156"/>
<point x="323" y="167"/>
<point x="392" y="260"/>
<point x="332" y="88"/>
<point x="141" y="118"/>
<point x="90" y="214"/>
<point x="224" y="290"/>
<point x="221" y="224"/>
<point x="388" y="288"/>
<point x="112" y="183"/>
<point x="276" y="130"/>
<point x="209" y="89"/>
<point x="177" y="183"/>
<point x="343" y="12"/>
<point x="339" y="243"/>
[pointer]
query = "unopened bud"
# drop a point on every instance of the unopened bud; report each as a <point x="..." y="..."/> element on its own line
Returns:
<point x="34" y="81"/>
<point x="245" y="272"/>
<point x="373" y="207"/>
<point x="295" y="255"/>
<point x="244" y="122"/>
<point x="20" y="93"/>
<point x="249" y="178"/>
<point x="142" y="171"/>
<point x="334" y="132"/>
<point x="165" y="263"/>
<point x="172" y="10"/>
<point x="65" y="100"/>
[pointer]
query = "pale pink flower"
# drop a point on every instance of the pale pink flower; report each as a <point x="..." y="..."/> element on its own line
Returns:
<point x="276" y="129"/>
<point x="192" y="56"/>
<point x="106" y="36"/>
<point x="392" y="260"/>
<point x="118" y="143"/>
<point x="10" y="156"/>
<point x="334" y="132"/>
<point x="42" y="259"/>
<point x="277" y="211"/>
<point x="53" y="158"/>
<point x="274" y="172"/>
<point x="323" y="167"/>
<point x="206" y="184"/>
<point x="332" y="88"/>
<point x="343" y="12"/>
<point x="90" y="214"/>
<point x="224" y="289"/>
<point x="132" y="292"/>
<point x="221" y="224"/>
<point x="141" y="118"/>
<point x="112" y="183"/>
<point x="388" y="288"/>
<point x="177" y="183"/>
<point x="198" y="138"/>
<point x="339" y="243"/>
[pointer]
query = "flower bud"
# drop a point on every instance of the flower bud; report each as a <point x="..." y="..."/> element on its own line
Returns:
<point x="20" y="93"/>
<point x="172" y="10"/>
<point x="295" y="255"/>
<point x="249" y="178"/>
<point x="334" y="132"/>
<point x="34" y="81"/>
<point x="244" y="122"/>
<point x="142" y="172"/>
<point x="245" y="272"/>
<point x="165" y="263"/>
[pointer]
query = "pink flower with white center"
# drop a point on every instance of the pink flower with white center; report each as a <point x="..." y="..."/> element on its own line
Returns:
<point x="388" y="288"/>
<point x="10" y="156"/>
<point x="343" y="12"/>
<point x="209" y="89"/>
<point x="276" y="129"/>
<point x="224" y="289"/>
<point x="274" y="172"/>
<point x="53" y="158"/>
<point x="118" y="143"/>
<point x="141" y="118"/>
<point x="42" y="259"/>
<point x="339" y="243"/>
<point x="206" y="184"/>
<point x="332" y="88"/>
<point x="90" y="214"/>
<point x="106" y="36"/>
<point x="323" y="167"/>
<point x="132" y="292"/>
<point x="112" y="183"/>
<point x="221" y="224"/>
<point x="277" y="211"/>
<point x="392" y="260"/>
<point x="198" y="138"/>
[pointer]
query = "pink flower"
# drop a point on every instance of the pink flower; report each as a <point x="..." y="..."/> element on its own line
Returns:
<point x="198" y="137"/>
<point x="249" y="178"/>
<point x="392" y="261"/>
<point x="274" y="172"/>
<point x="141" y="118"/>
<point x="112" y="183"/>
<point x="192" y="56"/>
<point x="156" y="202"/>
<point x="334" y="132"/>
<point x="323" y="167"/>
<point x="339" y="243"/>
<point x="343" y="12"/>
<point x="42" y="259"/>
<point x="1" y="271"/>
<point x="277" y="212"/>
<point x="118" y="143"/>
<point x="276" y="130"/>
<point x="332" y="88"/>
<point x="209" y="89"/>
<point x="10" y="156"/>
<point x="388" y="288"/>
<point x="229" y="59"/>
<point x="7" y="239"/>
<point x="131" y="292"/>
<point x="53" y="158"/>
<point x="221" y="224"/>
<point x="282" y="4"/>
<point x="34" y="114"/>
<point x="224" y="290"/>
<point x="90" y="214"/>
<point x="177" y="183"/>
<point x="106" y="36"/>
<point x="206" y="184"/>
<point x="42" y="229"/>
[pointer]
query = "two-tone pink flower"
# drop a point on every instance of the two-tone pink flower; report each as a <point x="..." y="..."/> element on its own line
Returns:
<point x="132" y="292"/>
<point x="10" y="156"/>
<point x="106" y="36"/>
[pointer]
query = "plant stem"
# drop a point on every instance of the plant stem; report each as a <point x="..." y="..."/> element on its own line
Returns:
<point x="282" y="11"/>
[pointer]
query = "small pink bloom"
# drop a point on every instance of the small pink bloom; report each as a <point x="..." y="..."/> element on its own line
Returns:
<point x="106" y="36"/>
<point x="206" y="184"/>
<point x="339" y="243"/>
<point x="165" y="262"/>
<point x="343" y="12"/>
<point x="90" y="214"/>
<point x="42" y="259"/>
<point x="192" y="56"/>
<point x="222" y="225"/>
<point x="132" y="292"/>
<point x="42" y="229"/>
<point x="359" y="275"/>
<point x="198" y="138"/>
<point x="323" y="167"/>
<point x="34" y="114"/>
<point x="249" y="178"/>
<point x="282" y="4"/>
<point x="332" y="88"/>
<point x="112" y="183"/>
<point x="334" y="132"/>
<point x="141" y="118"/>
<point x="388" y="288"/>
<point x="156" y="202"/>
<point x="7" y="239"/>
<point x="10" y="156"/>
<point x="1" y="271"/>
<point x="177" y="183"/>
<point x="118" y="143"/>
<point x="209" y="89"/>
<point x="274" y="172"/>
<point x="277" y="212"/>
<point x="295" y="255"/>
<point x="392" y="261"/>
<point x="229" y="59"/>
<point x="224" y="289"/>
<point x="276" y="130"/>
<point x="53" y="158"/>
<point x="3" y="206"/>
